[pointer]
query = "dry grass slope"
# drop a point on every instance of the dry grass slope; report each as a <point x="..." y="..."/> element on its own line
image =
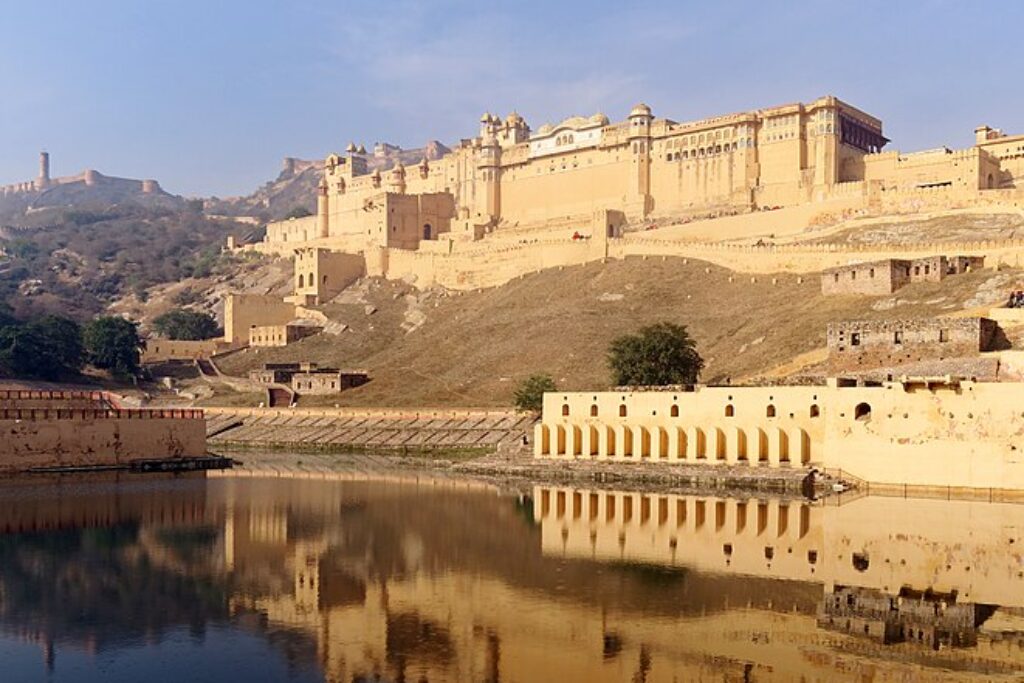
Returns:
<point x="474" y="347"/>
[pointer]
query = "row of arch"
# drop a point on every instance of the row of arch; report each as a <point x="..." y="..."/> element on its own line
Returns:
<point x="733" y="517"/>
<point x="772" y="446"/>
<point x="728" y="411"/>
<point x="702" y="152"/>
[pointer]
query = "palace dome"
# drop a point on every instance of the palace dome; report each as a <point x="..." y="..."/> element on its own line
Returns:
<point x="640" y="110"/>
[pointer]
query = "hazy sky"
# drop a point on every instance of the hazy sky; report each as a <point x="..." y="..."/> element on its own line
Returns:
<point x="207" y="96"/>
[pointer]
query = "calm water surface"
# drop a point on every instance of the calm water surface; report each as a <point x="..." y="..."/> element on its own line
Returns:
<point x="377" y="578"/>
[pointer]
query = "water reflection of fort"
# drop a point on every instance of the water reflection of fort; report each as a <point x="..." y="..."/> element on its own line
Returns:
<point x="435" y="582"/>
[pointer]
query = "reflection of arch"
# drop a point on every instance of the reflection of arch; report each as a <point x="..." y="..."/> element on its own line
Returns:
<point x="862" y="411"/>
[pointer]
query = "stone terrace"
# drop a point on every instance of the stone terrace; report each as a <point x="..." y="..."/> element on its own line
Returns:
<point x="371" y="429"/>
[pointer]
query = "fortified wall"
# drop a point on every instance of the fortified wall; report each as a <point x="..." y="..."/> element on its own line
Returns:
<point x="89" y="178"/>
<point x="44" y="431"/>
<point x="494" y="207"/>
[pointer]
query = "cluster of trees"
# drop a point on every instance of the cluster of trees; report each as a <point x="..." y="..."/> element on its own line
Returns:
<point x="185" y="323"/>
<point x="53" y="347"/>
<point x="657" y="355"/>
<point x="85" y="258"/>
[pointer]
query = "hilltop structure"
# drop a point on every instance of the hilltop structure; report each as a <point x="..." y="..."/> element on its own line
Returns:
<point x="31" y="189"/>
<point x="513" y="200"/>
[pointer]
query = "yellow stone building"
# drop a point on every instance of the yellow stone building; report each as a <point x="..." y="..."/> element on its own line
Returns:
<point x="934" y="433"/>
<point x="512" y="200"/>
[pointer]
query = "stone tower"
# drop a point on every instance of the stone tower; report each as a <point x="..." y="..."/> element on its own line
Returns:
<point x="638" y="196"/>
<point x="44" y="171"/>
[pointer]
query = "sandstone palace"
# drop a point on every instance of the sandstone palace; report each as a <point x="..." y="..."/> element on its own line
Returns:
<point x="513" y="199"/>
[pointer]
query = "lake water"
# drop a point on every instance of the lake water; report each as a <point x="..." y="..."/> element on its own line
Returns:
<point x="388" y="578"/>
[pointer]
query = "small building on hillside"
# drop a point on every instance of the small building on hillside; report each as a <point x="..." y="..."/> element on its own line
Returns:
<point x="278" y="373"/>
<point x="328" y="381"/>
<point x="863" y="344"/>
<point x="308" y="378"/>
<point x="281" y="335"/>
<point x="877" y="278"/>
<point x="159" y="350"/>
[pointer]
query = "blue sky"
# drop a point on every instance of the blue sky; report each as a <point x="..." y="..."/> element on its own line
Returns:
<point x="207" y="96"/>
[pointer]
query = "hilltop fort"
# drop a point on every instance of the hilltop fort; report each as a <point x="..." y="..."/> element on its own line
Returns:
<point x="513" y="200"/>
<point x="89" y="186"/>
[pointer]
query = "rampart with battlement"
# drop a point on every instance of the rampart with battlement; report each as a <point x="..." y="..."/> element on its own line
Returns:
<point x="472" y="217"/>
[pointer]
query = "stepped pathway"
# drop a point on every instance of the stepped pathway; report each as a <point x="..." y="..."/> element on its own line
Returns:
<point x="373" y="429"/>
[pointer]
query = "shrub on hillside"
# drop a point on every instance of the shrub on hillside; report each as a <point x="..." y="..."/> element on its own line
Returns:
<point x="113" y="343"/>
<point x="184" y="323"/>
<point x="657" y="355"/>
<point x="529" y="395"/>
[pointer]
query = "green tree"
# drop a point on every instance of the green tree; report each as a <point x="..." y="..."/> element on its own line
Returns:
<point x="657" y="355"/>
<point x="529" y="395"/>
<point x="113" y="343"/>
<point x="184" y="323"/>
<point x="48" y="348"/>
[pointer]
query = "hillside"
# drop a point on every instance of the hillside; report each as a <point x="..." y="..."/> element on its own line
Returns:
<point x="78" y="261"/>
<point x="471" y="349"/>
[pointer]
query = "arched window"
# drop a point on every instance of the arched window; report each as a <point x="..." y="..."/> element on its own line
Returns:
<point x="302" y="280"/>
<point x="729" y="411"/>
<point x="427" y="231"/>
<point x="815" y="411"/>
<point x="862" y="412"/>
<point x="622" y="411"/>
<point x="593" y="410"/>
<point x="674" y="412"/>
<point x="565" y="409"/>
<point x="770" y="412"/>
